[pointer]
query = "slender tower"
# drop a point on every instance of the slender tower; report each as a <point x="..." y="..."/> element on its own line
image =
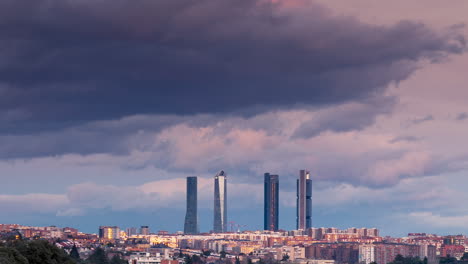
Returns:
<point x="270" y="209"/>
<point x="304" y="201"/>
<point x="191" y="218"/>
<point x="220" y="203"/>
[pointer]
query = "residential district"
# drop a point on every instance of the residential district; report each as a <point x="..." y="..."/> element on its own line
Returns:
<point x="223" y="245"/>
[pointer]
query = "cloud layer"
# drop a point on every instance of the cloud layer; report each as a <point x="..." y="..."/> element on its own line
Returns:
<point x="69" y="61"/>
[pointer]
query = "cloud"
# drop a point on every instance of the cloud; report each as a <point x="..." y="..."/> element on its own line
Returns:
<point x="462" y="116"/>
<point x="438" y="220"/>
<point x="32" y="203"/>
<point x="68" y="62"/>
<point x="422" y="119"/>
<point x="399" y="139"/>
<point x="346" y="117"/>
<point x="425" y="192"/>
<point x="245" y="147"/>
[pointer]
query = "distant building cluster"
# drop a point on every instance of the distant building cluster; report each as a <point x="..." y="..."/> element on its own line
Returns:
<point x="310" y="246"/>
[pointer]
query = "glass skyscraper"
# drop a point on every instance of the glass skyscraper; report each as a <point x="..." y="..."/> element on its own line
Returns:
<point x="220" y="203"/>
<point x="271" y="202"/>
<point x="304" y="201"/>
<point x="191" y="218"/>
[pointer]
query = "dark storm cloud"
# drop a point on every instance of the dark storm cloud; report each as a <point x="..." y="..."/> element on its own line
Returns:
<point x="68" y="61"/>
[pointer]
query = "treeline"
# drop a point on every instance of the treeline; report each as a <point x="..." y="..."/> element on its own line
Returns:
<point x="451" y="260"/>
<point x="43" y="252"/>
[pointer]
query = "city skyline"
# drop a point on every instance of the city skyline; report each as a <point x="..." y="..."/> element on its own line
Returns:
<point x="107" y="106"/>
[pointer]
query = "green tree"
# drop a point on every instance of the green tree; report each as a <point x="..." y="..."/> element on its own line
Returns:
<point x="222" y="254"/>
<point x="188" y="259"/>
<point x="42" y="252"/>
<point x="196" y="259"/>
<point x="11" y="255"/>
<point x="447" y="260"/>
<point x="74" y="254"/>
<point x="116" y="259"/>
<point x="399" y="259"/>
<point x="285" y="257"/>
<point x="99" y="256"/>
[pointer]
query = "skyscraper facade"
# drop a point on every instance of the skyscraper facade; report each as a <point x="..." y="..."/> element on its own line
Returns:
<point x="271" y="202"/>
<point x="144" y="230"/>
<point x="304" y="201"/>
<point x="191" y="218"/>
<point x="109" y="232"/>
<point x="220" y="203"/>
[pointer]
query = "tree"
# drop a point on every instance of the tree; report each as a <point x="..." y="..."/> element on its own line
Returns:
<point x="447" y="260"/>
<point x="188" y="259"/>
<point x="238" y="260"/>
<point x="42" y="252"/>
<point x="11" y="255"/>
<point x="399" y="259"/>
<point x="207" y="253"/>
<point x="285" y="257"/>
<point x="99" y="256"/>
<point x="116" y="259"/>
<point x="74" y="254"/>
<point x="222" y="254"/>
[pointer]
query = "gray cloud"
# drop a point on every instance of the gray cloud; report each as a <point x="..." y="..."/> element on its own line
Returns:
<point x="462" y="116"/>
<point x="345" y="117"/>
<point x="404" y="139"/>
<point x="64" y="62"/>
<point x="426" y="118"/>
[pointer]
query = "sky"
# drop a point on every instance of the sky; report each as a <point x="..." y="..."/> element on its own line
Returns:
<point x="106" y="106"/>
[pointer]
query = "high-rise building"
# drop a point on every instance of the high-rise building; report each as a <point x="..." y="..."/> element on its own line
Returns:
<point x="304" y="201"/>
<point x="220" y="203"/>
<point x="144" y="230"/>
<point x="131" y="231"/>
<point x="271" y="202"/>
<point x="191" y="218"/>
<point x="109" y="232"/>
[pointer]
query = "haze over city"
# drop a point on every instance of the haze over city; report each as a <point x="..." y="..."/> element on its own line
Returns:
<point x="106" y="107"/>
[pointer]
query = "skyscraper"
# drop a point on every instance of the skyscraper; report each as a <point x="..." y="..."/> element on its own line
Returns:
<point x="109" y="232"/>
<point x="191" y="218"/>
<point x="144" y="230"/>
<point x="270" y="208"/>
<point x="304" y="201"/>
<point x="220" y="203"/>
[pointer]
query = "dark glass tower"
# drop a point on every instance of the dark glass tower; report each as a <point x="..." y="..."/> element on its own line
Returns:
<point x="270" y="208"/>
<point x="220" y="203"/>
<point x="191" y="218"/>
<point x="304" y="201"/>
